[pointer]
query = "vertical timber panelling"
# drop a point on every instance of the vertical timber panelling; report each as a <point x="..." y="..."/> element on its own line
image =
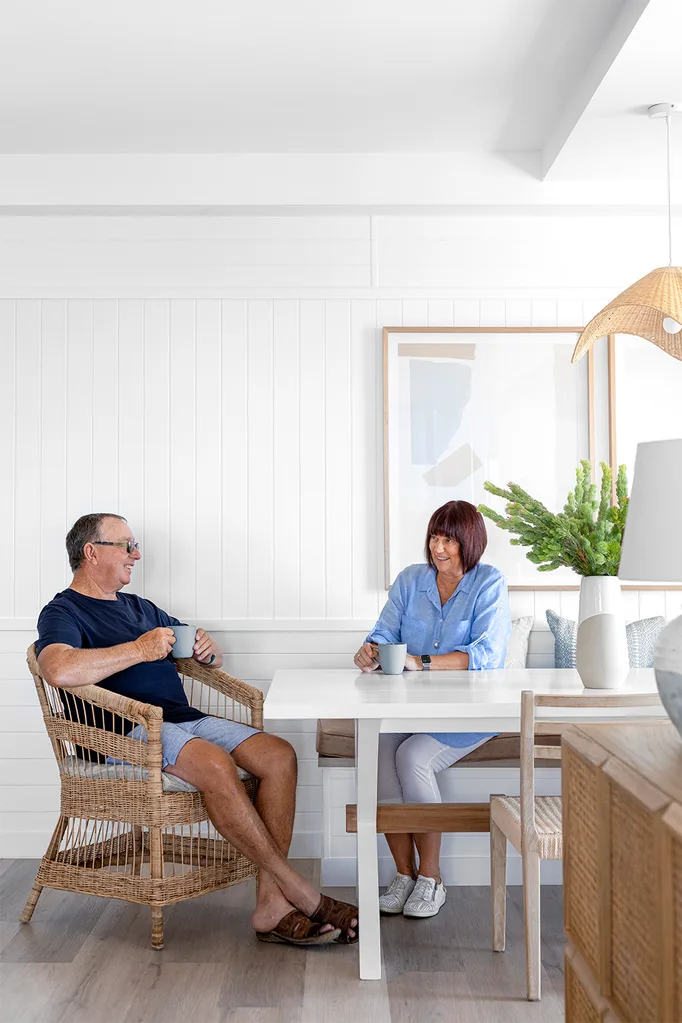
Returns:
<point x="181" y="442"/>
<point x="7" y="454"/>
<point x="105" y="406"/>
<point x="312" y="460"/>
<point x="27" y="486"/>
<point x="131" y="439"/>
<point x="234" y="460"/>
<point x="286" y="525"/>
<point x="389" y="314"/>
<point x="365" y="458"/>
<point x="260" y="517"/>
<point x="157" y="547"/>
<point x="209" y="442"/>
<point x="52" y="411"/>
<point x="79" y="382"/>
<point x="242" y="439"/>
<point x="338" y="477"/>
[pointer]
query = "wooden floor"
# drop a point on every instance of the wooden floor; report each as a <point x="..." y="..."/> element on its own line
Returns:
<point x="88" y="960"/>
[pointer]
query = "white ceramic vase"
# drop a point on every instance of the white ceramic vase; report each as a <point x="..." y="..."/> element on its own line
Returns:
<point x="600" y="594"/>
<point x="601" y="645"/>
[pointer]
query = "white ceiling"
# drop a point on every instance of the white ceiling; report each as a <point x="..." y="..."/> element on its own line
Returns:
<point x="615" y="138"/>
<point x="300" y="76"/>
<point x="297" y="103"/>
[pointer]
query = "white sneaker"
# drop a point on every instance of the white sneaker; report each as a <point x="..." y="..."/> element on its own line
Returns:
<point x="397" y="894"/>
<point x="426" y="898"/>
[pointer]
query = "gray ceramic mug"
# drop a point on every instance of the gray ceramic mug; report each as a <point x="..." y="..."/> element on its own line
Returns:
<point x="185" y="636"/>
<point x="392" y="657"/>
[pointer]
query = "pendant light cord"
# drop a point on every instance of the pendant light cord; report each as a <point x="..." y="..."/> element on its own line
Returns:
<point x="670" y="218"/>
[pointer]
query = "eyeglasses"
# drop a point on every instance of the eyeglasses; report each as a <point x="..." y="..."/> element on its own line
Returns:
<point x="130" y="545"/>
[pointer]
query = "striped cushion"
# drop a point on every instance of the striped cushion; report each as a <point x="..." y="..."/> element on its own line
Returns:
<point x="641" y="637"/>
<point x="129" y="772"/>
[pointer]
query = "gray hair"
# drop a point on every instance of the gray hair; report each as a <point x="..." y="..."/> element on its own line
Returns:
<point x="85" y="530"/>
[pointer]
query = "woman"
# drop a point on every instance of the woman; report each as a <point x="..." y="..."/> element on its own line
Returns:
<point x="453" y="614"/>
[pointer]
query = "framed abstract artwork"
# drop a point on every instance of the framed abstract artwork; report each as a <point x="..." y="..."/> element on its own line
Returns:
<point x="464" y="405"/>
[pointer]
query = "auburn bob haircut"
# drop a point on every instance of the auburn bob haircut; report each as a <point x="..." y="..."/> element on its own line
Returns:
<point x="462" y="522"/>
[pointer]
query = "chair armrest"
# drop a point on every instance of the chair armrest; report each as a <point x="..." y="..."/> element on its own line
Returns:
<point x="231" y="688"/>
<point x="79" y="732"/>
<point x="133" y="710"/>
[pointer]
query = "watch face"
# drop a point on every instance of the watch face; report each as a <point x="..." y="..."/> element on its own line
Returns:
<point x="426" y="659"/>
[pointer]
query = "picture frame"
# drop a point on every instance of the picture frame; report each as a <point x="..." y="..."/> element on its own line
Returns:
<point x="436" y="450"/>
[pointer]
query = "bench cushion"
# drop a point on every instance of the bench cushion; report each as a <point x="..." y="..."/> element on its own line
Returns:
<point x="336" y="738"/>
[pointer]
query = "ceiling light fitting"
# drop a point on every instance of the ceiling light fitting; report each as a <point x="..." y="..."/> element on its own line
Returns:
<point x="650" y="308"/>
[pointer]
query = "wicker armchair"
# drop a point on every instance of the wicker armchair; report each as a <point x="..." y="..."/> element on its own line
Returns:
<point x="119" y="811"/>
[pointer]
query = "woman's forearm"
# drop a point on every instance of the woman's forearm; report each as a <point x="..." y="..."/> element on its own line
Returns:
<point x="457" y="661"/>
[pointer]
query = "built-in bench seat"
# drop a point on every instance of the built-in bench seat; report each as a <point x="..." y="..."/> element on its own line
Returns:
<point x="336" y="739"/>
<point x="462" y="817"/>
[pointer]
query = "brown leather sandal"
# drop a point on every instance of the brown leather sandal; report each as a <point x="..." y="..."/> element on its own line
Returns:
<point x="338" y="914"/>
<point x="297" y="929"/>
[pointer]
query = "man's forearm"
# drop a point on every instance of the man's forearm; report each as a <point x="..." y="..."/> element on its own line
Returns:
<point x="71" y="667"/>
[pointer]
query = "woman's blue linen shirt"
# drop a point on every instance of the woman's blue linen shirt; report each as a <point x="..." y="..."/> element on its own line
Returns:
<point x="474" y="620"/>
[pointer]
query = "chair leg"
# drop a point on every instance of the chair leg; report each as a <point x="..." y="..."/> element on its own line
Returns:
<point x="157" y="927"/>
<point x="31" y="904"/>
<point x="156" y="873"/>
<point x="498" y="884"/>
<point x="52" y="850"/>
<point x="531" y="907"/>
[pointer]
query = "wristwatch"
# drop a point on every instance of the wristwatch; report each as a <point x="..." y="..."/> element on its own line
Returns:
<point x="426" y="662"/>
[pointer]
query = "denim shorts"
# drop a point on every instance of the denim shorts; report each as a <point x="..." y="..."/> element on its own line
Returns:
<point x="226" y="734"/>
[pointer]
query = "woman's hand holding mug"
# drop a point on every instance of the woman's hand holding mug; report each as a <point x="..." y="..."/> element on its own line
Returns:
<point x="366" y="657"/>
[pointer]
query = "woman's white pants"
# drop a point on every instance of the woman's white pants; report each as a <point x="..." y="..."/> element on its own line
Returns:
<point x="409" y="763"/>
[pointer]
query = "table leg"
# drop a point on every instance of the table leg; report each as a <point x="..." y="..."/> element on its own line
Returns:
<point x="367" y="751"/>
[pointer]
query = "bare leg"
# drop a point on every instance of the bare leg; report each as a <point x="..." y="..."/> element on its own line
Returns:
<point x="273" y="762"/>
<point x="402" y="850"/>
<point x="213" y="772"/>
<point x="428" y="847"/>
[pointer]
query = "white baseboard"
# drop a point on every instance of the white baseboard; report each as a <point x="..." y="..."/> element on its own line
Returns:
<point x="456" y="870"/>
<point x="24" y="845"/>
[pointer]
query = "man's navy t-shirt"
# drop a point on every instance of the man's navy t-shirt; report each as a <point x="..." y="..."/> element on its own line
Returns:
<point x="89" y="623"/>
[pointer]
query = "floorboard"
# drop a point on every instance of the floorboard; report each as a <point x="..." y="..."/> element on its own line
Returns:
<point x="88" y="960"/>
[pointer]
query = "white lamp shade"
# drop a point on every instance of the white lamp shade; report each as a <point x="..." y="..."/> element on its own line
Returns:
<point x="652" y="544"/>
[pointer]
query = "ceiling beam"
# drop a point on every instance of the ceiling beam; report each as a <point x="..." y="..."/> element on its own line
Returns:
<point x="586" y="82"/>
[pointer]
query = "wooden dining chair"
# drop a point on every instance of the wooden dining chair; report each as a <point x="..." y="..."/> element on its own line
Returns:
<point x="533" y="823"/>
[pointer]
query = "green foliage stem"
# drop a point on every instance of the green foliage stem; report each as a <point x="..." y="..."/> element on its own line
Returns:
<point x="586" y="536"/>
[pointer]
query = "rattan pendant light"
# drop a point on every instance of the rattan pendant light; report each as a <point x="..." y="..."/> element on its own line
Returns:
<point x="651" y="307"/>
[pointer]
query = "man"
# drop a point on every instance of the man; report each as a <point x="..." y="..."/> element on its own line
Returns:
<point x="92" y="633"/>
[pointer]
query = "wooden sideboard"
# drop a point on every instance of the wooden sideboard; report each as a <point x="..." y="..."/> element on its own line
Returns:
<point x="622" y="823"/>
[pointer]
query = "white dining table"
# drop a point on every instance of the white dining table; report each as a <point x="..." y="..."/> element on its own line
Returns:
<point x="439" y="701"/>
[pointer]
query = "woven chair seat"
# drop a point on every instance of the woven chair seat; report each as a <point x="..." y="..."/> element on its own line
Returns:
<point x="75" y="767"/>
<point x="506" y="812"/>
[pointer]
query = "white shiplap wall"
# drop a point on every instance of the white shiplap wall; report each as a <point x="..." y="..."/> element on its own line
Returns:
<point x="218" y="381"/>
